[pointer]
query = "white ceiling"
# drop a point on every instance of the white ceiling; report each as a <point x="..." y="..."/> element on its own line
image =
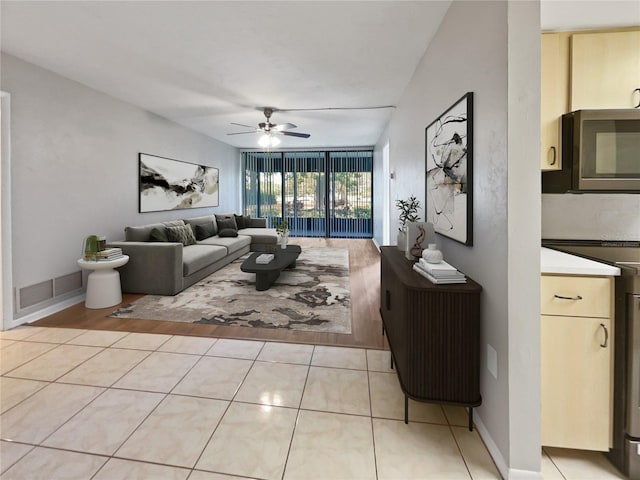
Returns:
<point x="206" y="64"/>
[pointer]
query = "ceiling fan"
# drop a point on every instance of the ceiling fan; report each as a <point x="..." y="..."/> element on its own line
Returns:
<point x="269" y="129"/>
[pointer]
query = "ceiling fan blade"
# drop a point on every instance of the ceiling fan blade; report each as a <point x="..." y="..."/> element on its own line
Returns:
<point x="284" y="126"/>
<point x="296" y="134"/>
<point x="241" y="133"/>
<point x="243" y="125"/>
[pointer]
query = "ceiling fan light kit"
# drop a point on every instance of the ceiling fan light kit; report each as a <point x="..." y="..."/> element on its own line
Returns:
<point x="268" y="140"/>
<point x="270" y="130"/>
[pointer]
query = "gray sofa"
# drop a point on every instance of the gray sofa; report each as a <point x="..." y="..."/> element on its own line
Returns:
<point x="166" y="268"/>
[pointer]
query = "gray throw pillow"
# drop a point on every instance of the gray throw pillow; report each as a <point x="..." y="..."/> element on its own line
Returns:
<point x="226" y="222"/>
<point x="204" y="231"/>
<point x="158" y="235"/>
<point x="243" y="221"/>
<point x="227" y="232"/>
<point x="182" y="234"/>
<point x="173" y="223"/>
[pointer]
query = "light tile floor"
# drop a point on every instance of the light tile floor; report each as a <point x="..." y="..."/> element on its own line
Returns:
<point x="79" y="404"/>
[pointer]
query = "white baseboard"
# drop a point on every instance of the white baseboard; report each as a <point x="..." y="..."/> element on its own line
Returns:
<point x="375" y="242"/>
<point x="496" y="454"/>
<point x="45" y="312"/>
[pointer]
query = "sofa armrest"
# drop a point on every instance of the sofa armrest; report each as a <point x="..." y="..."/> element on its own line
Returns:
<point x="258" y="223"/>
<point x="153" y="267"/>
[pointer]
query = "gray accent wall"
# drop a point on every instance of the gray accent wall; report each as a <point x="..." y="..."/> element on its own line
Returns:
<point x="491" y="49"/>
<point x="588" y="216"/>
<point x="75" y="167"/>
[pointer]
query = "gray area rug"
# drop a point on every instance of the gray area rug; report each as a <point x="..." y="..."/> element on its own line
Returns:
<point x="313" y="296"/>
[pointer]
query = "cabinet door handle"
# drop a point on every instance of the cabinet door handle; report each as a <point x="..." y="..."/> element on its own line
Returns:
<point x="555" y="156"/>
<point x="637" y="90"/>
<point x="577" y="297"/>
<point x="388" y="299"/>
<point x="606" y="336"/>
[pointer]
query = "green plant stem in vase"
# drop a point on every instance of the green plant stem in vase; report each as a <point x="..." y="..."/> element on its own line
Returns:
<point x="408" y="213"/>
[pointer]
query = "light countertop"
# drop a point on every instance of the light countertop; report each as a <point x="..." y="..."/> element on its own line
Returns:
<point x="553" y="261"/>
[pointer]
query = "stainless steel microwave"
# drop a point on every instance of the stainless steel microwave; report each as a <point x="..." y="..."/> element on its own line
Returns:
<point x="600" y="153"/>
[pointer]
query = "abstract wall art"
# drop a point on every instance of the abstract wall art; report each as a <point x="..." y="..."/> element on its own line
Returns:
<point x="167" y="184"/>
<point x="449" y="168"/>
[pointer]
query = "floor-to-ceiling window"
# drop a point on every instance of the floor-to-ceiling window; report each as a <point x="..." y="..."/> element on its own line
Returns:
<point x="319" y="193"/>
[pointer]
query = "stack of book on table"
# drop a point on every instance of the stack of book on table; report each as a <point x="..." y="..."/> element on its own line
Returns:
<point x="104" y="255"/>
<point x="264" y="259"/>
<point x="440" y="273"/>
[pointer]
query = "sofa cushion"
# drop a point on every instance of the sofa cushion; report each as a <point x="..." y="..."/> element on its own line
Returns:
<point x="228" y="232"/>
<point x="242" y="221"/>
<point x="261" y="235"/>
<point x="228" y="221"/>
<point x="158" y="235"/>
<point x="256" y="223"/>
<point x="204" y="231"/>
<point x="182" y="234"/>
<point x="143" y="232"/>
<point x="197" y="257"/>
<point x="232" y="244"/>
<point x="207" y="222"/>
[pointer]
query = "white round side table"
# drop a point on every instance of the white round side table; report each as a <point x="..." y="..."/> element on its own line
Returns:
<point x="103" y="283"/>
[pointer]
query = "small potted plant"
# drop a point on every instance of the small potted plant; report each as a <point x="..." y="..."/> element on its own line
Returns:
<point x="282" y="229"/>
<point x="408" y="213"/>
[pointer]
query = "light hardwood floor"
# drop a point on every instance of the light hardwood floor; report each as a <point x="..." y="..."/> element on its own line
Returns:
<point x="366" y="324"/>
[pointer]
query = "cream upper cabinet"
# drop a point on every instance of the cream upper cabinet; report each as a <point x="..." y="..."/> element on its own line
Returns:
<point x="577" y="361"/>
<point x="554" y="97"/>
<point x="605" y="70"/>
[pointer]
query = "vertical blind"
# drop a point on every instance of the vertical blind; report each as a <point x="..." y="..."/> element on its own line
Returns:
<point x="317" y="193"/>
<point x="351" y="194"/>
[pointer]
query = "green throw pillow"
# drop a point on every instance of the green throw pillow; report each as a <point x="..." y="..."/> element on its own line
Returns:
<point x="204" y="231"/>
<point x="182" y="234"/>
<point x="158" y="235"/>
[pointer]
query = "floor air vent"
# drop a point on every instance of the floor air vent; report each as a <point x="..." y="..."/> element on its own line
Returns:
<point x="48" y="291"/>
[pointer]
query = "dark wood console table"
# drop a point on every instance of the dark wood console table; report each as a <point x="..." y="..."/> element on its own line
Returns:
<point x="434" y="334"/>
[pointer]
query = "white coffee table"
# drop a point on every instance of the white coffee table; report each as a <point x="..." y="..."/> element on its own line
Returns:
<point x="103" y="283"/>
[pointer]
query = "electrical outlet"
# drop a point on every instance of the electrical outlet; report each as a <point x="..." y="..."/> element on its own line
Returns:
<point x="492" y="361"/>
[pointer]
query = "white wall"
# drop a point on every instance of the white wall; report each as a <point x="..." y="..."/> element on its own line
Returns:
<point x="6" y="299"/>
<point x="75" y="167"/>
<point x="378" y="189"/>
<point x="523" y="233"/>
<point x="470" y="53"/>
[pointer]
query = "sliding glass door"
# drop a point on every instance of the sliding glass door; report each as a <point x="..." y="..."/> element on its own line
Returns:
<point x="320" y="194"/>
<point x="351" y="206"/>
<point x="305" y="206"/>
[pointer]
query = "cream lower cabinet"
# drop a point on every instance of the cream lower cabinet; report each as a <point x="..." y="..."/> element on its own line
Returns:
<point x="577" y="362"/>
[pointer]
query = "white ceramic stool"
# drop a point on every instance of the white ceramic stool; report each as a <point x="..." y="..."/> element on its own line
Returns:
<point x="103" y="283"/>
